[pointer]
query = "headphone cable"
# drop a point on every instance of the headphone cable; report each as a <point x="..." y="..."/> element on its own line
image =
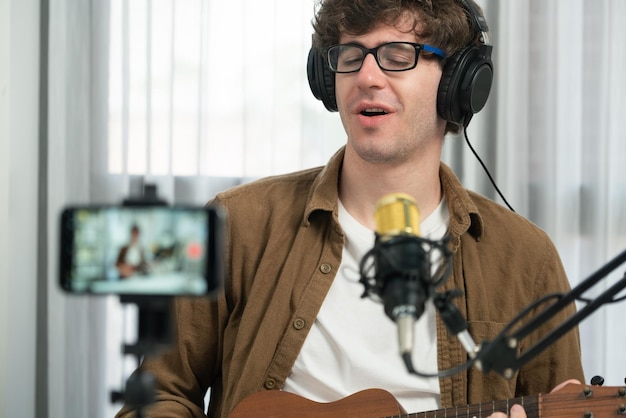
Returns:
<point x="495" y="186"/>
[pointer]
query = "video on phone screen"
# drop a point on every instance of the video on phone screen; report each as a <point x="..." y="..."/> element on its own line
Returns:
<point x="142" y="251"/>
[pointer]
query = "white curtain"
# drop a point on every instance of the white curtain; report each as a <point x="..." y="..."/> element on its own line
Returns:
<point x="76" y="343"/>
<point x="197" y="96"/>
<point x="201" y="89"/>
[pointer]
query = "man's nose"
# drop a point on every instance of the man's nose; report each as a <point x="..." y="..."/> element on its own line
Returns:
<point x="370" y="72"/>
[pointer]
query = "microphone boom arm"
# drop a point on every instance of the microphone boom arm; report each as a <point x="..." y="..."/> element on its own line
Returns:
<point x="500" y="355"/>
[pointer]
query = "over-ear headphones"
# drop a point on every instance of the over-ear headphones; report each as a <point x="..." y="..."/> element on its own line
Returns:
<point x="321" y="79"/>
<point x="464" y="86"/>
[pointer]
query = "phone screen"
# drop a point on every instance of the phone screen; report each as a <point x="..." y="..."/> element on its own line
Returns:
<point x="141" y="250"/>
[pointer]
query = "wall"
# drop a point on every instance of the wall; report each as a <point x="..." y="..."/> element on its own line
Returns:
<point x="19" y="96"/>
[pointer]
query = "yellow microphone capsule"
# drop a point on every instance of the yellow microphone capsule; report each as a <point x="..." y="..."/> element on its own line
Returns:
<point x="397" y="214"/>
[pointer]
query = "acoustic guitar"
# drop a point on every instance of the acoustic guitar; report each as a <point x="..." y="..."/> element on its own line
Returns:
<point x="572" y="401"/>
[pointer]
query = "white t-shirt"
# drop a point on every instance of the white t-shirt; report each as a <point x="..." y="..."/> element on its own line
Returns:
<point x="353" y="345"/>
<point x="133" y="255"/>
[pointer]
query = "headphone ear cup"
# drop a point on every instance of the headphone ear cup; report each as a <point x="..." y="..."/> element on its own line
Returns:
<point x="321" y="79"/>
<point x="465" y="84"/>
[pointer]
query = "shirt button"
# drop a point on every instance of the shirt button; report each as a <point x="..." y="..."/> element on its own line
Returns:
<point x="299" y="323"/>
<point x="325" y="268"/>
<point x="270" y="384"/>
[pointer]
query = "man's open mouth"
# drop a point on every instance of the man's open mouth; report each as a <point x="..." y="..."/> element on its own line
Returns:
<point x="373" y="112"/>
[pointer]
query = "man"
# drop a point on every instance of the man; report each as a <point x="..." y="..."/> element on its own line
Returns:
<point x="131" y="258"/>
<point x="291" y="316"/>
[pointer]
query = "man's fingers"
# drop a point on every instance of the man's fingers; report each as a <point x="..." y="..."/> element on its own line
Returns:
<point x="517" y="411"/>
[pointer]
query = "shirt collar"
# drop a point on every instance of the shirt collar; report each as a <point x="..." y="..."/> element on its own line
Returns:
<point x="464" y="215"/>
<point x="324" y="193"/>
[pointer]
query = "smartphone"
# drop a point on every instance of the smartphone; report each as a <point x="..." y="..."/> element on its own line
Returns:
<point x="141" y="250"/>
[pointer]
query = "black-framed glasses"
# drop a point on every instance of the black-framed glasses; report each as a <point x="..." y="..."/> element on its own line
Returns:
<point x="392" y="56"/>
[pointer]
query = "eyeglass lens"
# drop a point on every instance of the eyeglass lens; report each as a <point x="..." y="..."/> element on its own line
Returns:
<point x="394" y="56"/>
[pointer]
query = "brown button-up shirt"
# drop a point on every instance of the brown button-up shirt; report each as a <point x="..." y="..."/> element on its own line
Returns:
<point x="284" y="249"/>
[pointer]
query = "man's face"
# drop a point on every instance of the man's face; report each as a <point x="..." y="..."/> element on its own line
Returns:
<point x="390" y="117"/>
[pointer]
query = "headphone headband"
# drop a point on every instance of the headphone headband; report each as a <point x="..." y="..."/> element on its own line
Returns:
<point x="479" y="23"/>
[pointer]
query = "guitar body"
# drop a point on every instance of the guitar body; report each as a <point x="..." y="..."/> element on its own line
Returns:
<point x="374" y="403"/>
<point x="571" y="401"/>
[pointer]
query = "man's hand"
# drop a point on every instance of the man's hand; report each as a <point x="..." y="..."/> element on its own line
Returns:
<point x="517" y="411"/>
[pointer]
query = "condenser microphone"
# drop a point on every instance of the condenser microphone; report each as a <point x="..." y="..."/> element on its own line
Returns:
<point x="402" y="265"/>
<point x="404" y="278"/>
